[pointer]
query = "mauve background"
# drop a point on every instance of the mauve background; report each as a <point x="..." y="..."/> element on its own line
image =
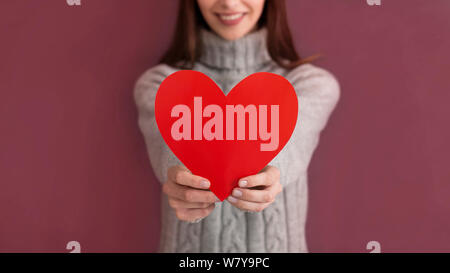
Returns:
<point x="73" y="165"/>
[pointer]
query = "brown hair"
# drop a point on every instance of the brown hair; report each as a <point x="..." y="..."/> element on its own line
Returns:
<point x="186" y="49"/>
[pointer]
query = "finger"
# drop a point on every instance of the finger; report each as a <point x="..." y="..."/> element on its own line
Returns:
<point x="246" y="205"/>
<point x="192" y="215"/>
<point x="256" y="180"/>
<point x="260" y="179"/>
<point x="188" y="194"/>
<point x="182" y="176"/>
<point x="266" y="177"/>
<point x="261" y="196"/>
<point x="272" y="171"/>
<point x="178" y="203"/>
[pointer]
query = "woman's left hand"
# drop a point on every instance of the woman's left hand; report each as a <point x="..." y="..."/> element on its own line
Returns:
<point x="257" y="192"/>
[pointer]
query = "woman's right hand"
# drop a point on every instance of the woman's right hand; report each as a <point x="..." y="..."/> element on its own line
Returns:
<point x="189" y="194"/>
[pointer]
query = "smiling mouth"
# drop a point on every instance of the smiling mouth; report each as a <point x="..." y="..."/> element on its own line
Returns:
<point x="230" y="19"/>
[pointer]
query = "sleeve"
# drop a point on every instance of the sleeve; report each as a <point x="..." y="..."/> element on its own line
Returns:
<point x="318" y="92"/>
<point x="161" y="157"/>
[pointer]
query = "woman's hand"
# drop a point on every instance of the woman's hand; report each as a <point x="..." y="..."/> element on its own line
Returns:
<point x="188" y="194"/>
<point x="257" y="192"/>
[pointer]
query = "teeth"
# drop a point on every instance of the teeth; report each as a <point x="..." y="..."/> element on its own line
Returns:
<point x="231" y="17"/>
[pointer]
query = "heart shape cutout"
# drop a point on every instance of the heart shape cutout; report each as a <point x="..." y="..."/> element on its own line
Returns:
<point x="191" y="112"/>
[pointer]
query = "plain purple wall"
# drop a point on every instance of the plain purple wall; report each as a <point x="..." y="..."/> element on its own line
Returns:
<point x="73" y="164"/>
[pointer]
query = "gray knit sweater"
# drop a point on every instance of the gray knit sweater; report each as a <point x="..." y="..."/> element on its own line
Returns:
<point x="281" y="226"/>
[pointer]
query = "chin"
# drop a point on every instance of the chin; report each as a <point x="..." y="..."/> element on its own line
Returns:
<point x="232" y="36"/>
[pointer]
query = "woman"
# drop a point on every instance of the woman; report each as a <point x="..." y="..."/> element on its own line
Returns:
<point x="229" y="40"/>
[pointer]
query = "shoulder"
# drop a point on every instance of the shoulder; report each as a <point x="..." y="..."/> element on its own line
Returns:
<point x="156" y="74"/>
<point x="311" y="80"/>
<point x="148" y="82"/>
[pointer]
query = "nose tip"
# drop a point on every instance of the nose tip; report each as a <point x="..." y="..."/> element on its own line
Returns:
<point x="229" y="3"/>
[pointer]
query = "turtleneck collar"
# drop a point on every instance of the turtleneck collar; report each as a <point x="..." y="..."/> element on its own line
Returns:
<point x="246" y="52"/>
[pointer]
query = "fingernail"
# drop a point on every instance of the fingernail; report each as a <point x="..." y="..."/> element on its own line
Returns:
<point x="231" y="199"/>
<point x="243" y="183"/>
<point x="237" y="193"/>
<point x="204" y="184"/>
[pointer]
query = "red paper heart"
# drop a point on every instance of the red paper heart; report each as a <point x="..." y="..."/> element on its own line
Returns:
<point x="224" y="162"/>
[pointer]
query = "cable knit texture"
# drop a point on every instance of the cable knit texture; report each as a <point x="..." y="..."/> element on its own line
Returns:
<point x="281" y="226"/>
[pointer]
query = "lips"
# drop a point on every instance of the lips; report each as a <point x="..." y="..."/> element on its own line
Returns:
<point x="230" y="19"/>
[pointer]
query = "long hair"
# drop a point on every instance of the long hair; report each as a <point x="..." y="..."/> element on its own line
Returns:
<point x="186" y="49"/>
